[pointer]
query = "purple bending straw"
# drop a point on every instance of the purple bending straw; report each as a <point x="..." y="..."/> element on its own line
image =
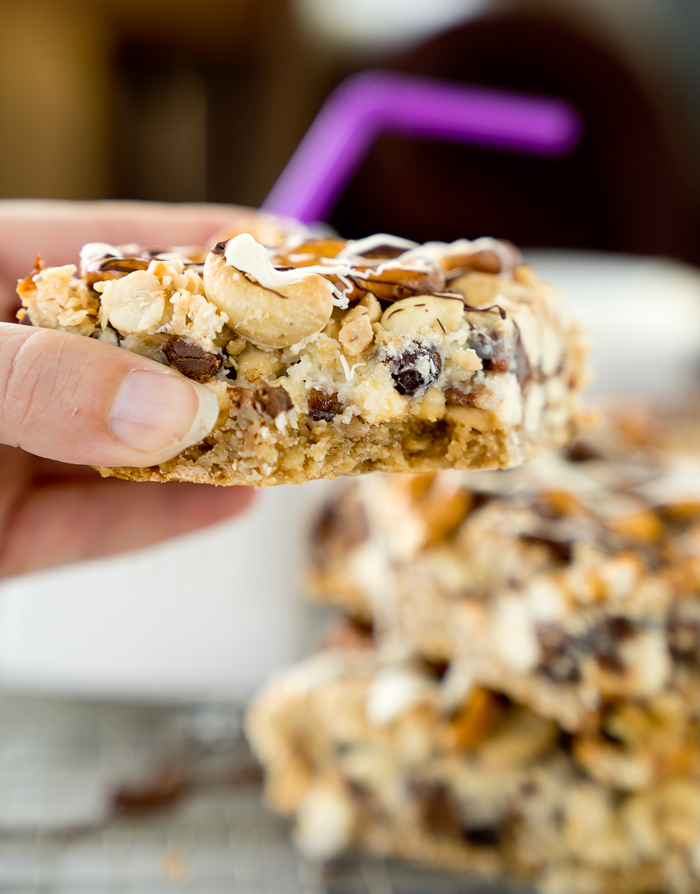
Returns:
<point x="368" y="103"/>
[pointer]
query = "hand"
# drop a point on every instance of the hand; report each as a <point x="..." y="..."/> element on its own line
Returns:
<point x="67" y="402"/>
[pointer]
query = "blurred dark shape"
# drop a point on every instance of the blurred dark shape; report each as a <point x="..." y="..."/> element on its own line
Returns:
<point x="619" y="190"/>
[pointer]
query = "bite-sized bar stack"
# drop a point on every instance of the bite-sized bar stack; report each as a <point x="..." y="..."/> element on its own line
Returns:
<point x="569" y="585"/>
<point x="404" y="758"/>
<point x="331" y="357"/>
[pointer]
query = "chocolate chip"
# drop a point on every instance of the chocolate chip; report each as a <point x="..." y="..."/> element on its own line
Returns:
<point x="559" y="655"/>
<point x="604" y="641"/>
<point x="192" y="360"/>
<point x="220" y="247"/>
<point x="341" y="527"/>
<point x="323" y="406"/>
<point x="416" y="368"/>
<point x="272" y="399"/>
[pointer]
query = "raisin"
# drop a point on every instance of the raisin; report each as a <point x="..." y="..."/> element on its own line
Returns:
<point x="323" y="406"/>
<point x="416" y="368"/>
<point x="192" y="360"/>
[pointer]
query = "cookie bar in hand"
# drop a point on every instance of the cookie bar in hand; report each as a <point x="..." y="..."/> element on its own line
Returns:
<point x="335" y="358"/>
<point x="407" y="760"/>
<point x="567" y="584"/>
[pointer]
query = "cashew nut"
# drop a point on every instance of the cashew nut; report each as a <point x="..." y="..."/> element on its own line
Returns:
<point x="134" y="304"/>
<point x="415" y="313"/>
<point x="269" y="318"/>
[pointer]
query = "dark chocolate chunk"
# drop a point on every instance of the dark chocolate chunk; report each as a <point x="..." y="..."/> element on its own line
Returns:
<point x="580" y="452"/>
<point x="323" y="406"/>
<point x="220" y="247"/>
<point x="484" y="836"/>
<point x="439" y="811"/>
<point x="272" y="399"/>
<point x="562" y="550"/>
<point x="192" y="360"/>
<point x="341" y="527"/>
<point x="416" y="368"/>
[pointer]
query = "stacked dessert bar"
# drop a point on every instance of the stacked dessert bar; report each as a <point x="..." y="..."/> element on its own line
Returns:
<point x="515" y="686"/>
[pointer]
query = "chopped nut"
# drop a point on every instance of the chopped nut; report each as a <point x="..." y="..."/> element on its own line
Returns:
<point x="236" y="346"/>
<point x="254" y="364"/>
<point x="354" y="429"/>
<point x="467" y="358"/>
<point x="356" y="334"/>
<point x="374" y="308"/>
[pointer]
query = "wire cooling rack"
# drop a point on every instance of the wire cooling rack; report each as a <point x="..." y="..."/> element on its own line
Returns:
<point x="107" y="798"/>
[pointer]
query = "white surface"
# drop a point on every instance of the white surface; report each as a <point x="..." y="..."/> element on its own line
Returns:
<point x="642" y="316"/>
<point x="209" y="615"/>
<point x="213" y="614"/>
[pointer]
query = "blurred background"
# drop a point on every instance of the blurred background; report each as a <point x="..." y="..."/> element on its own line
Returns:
<point x="178" y="101"/>
<point x="174" y="101"/>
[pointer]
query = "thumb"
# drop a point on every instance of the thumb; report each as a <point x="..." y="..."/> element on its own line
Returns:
<point x="74" y="399"/>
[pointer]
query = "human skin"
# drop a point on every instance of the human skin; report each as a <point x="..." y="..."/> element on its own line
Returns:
<point x="59" y="395"/>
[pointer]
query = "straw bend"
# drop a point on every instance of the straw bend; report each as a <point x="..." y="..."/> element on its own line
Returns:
<point x="372" y="102"/>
